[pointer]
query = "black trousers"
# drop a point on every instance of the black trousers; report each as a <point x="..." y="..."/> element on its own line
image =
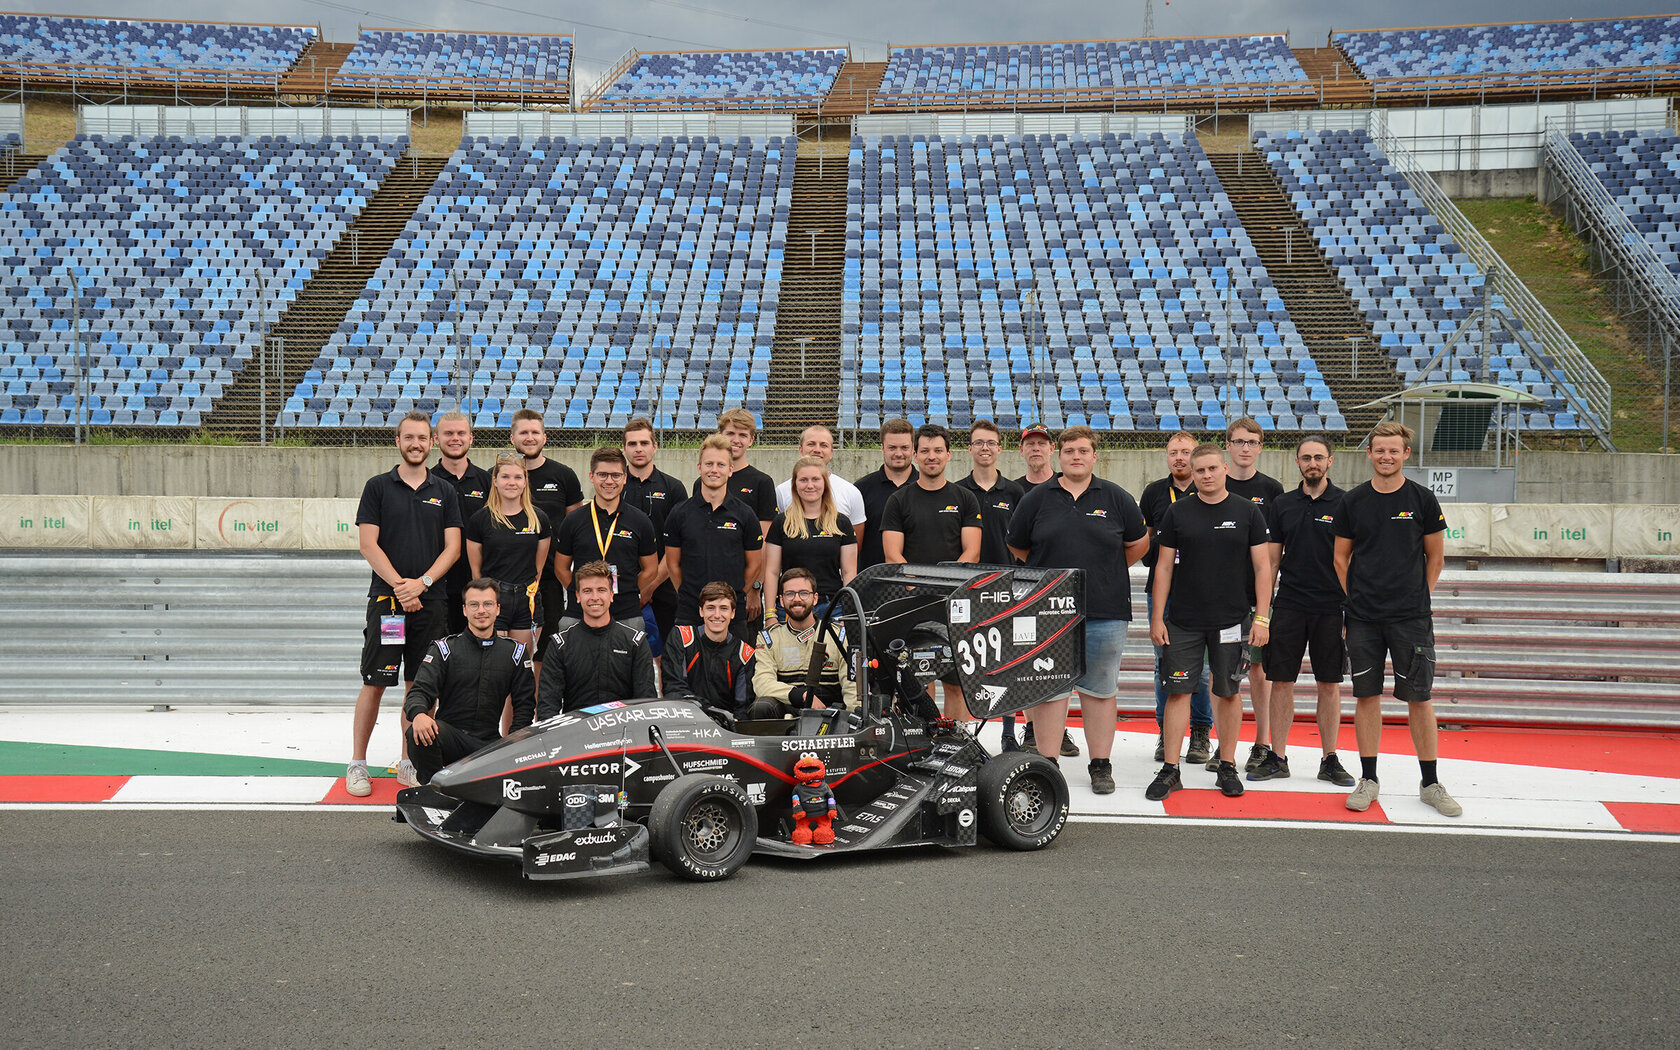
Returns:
<point x="449" y="745"/>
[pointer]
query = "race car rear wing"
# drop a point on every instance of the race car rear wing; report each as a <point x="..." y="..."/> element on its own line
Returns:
<point x="1014" y="636"/>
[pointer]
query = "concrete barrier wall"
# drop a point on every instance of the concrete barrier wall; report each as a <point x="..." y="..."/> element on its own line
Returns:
<point x="1499" y="530"/>
<point x="324" y="473"/>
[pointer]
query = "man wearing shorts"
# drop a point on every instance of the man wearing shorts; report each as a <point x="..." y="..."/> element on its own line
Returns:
<point x="1390" y="548"/>
<point x="1211" y="546"/>
<point x="1243" y="440"/>
<point x="409" y="525"/>
<point x="1156" y="497"/>
<point x="1078" y="520"/>
<point x="1307" y="610"/>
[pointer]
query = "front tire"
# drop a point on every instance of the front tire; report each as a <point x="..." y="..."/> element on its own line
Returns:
<point x="703" y="827"/>
<point x="1023" y="801"/>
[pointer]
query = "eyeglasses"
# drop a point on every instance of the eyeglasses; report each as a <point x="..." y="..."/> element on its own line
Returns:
<point x="1304" y="458"/>
<point x="985" y="444"/>
<point x="799" y="594"/>
<point x="1244" y="443"/>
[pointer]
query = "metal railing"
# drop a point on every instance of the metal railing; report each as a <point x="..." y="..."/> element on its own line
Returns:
<point x="1587" y="391"/>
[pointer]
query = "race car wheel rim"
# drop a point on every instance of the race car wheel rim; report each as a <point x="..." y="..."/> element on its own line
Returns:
<point x="1028" y="805"/>
<point x="711" y="827"/>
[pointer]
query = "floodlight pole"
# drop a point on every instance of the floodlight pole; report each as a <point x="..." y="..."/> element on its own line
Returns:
<point x="81" y="385"/>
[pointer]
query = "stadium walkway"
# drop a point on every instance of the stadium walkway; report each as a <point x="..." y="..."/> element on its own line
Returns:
<point x="1517" y="780"/>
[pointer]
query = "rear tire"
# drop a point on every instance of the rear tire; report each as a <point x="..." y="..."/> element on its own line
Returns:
<point x="1023" y="801"/>
<point x="703" y="827"/>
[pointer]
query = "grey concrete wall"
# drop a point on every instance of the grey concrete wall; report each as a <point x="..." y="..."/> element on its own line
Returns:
<point x="190" y="470"/>
<point x="1503" y="182"/>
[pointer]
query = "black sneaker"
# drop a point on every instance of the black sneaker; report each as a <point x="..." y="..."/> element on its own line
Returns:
<point x="1161" y="749"/>
<point x="1069" y="748"/>
<point x="1102" y="777"/>
<point x="1272" y="767"/>
<point x="1226" y="780"/>
<point x="1028" y="743"/>
<point x="1330" y="768"/>
<point x="1256" y="755"/>
<point x="1165" y="783"/>
<point x="1200" y="746"/>
<point x="1212" y="764"/>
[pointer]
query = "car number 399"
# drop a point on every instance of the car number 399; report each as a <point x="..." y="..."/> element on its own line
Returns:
<point x="981" y="649"/>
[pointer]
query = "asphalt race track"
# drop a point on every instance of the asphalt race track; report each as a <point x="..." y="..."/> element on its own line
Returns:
<point x="315" y="929"/>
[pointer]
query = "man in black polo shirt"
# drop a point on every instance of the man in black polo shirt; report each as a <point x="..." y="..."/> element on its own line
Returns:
<point x="714" y="536"/>
<point x="1080" y="521"/>
<point x="997" y="495"/>
<point x="1156" y="497"/>
<point x="1390" y="549"/>
<point x="409" y="522"/>
<point x="1307" y="610"/>
<point x="1211" y="544"/>
<point x="454" y="438"/>
<point x="898" y="447"/>
<point x="556" y="492"/>
<point x="998" y="498"/>
<point x="930" y="521"/>
<point x="654" y="493"/>
<point x="604" y="529"/>
<point x="1243" y="441"/>
<point x="746" y="482"/>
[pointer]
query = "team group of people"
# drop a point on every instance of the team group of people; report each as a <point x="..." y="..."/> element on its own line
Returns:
<point x="503" y="596"/>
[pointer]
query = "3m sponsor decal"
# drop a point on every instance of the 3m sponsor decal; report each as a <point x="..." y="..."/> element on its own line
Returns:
<point x="607" y="798"/>
<point x="814" y="743"/>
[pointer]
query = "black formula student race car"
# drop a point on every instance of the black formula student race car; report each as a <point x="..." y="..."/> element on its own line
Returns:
<point x="598" y="791"/>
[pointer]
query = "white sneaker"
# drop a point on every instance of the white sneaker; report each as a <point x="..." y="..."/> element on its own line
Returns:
<point x="405" y="774"/>
<point x="1436" y="795"/>
<point x="1363" y="796"/>
<point x="356" y="781"/>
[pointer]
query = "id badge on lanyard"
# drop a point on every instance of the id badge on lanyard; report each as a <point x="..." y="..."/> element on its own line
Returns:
<point x="604" y="544"/>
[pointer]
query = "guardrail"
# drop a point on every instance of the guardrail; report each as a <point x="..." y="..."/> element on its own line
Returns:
<point x="1616" y="82"/>
<point x="1594" y="209"/>
<point x="1587" y="391"/>
<point x="258" y="628"/>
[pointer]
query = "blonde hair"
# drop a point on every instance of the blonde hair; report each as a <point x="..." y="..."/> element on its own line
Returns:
<point x="793" y="520"/>
<point x="511" y="459"/>
<point x="714" y="441"/>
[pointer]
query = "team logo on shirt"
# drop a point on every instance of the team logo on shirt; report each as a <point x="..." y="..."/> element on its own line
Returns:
<point x="1099" y="512"/>
<point x="1328" y="519"/>
<point x="1404" y="515"/>
<point x="1226" y="525"/>
<point x="434" y="502"/>
<point x="476" y="494"/>
<point x="729" y="526"/>
<point x="949" y="508"/>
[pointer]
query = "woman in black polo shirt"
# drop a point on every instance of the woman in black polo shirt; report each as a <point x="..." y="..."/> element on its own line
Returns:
<point x="812" y="534"/>
<point x="508" y="541"/>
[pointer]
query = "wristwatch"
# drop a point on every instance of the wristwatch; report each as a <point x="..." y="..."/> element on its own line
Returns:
<point x="758" y="585"/>
<point x="427" y="580"/>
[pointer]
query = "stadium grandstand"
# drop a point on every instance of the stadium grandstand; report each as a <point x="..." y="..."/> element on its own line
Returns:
<point x="723" y="80"/>
<point x="793" y="230"/>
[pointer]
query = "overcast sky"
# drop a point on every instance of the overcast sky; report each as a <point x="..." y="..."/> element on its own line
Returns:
<point x="605" y="31"/>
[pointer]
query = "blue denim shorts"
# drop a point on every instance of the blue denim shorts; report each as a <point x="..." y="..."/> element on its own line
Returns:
<point x="1105" y="645"/>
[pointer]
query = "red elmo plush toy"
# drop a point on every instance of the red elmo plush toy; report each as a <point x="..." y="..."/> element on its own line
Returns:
<point x="814" y="808"/>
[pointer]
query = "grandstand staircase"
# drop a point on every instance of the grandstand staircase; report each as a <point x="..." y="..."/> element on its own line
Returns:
<point x="805" y="388"/>
<point x="853" y="88"/>
<point x="1339" y="83"/>
<point x="322" y="303"/>
<point x="1319" y="306"/>
<point x="15" y="164"/>
<point x="315" y="68"/>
